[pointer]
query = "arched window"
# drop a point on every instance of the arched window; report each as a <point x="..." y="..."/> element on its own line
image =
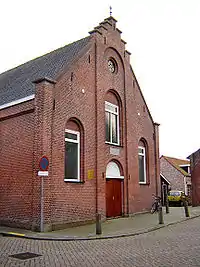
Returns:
<point x="142" y="162"/>
<point x="112" y="120"/>
<point x="73" y="144"/>
<point x="113" y="171"/>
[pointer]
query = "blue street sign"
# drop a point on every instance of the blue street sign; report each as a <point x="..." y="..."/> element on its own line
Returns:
<point x="44" y="163"/>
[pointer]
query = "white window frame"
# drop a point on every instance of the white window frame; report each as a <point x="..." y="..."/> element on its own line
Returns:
<point x="77" y="142"/>
<point x="115" y="113"/>
<point x="144" y="156"/>
<point x="186" y="165"/>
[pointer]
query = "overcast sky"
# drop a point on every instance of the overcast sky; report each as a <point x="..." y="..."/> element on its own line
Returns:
<point x="162" y="35"/>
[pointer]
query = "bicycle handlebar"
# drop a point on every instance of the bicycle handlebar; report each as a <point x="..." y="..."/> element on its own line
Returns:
<point x="156" y="196"/>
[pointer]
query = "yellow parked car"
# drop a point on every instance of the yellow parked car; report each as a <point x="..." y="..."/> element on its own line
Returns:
<point x="176" y="197"/>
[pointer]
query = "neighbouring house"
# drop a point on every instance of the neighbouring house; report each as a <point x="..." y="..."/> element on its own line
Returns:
<point x="175" y="174"/>
<point x="81" y="107"/>
<point x="195" y="177"/>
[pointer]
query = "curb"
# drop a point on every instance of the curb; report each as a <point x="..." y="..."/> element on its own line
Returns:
<point x="11" y="234"/>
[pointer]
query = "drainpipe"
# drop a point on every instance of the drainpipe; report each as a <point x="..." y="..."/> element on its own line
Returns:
<point x="185" y="185"/>
<point x="156" y="155"/>
<point x="96" y="130"/>
<point x="126" y="149"/>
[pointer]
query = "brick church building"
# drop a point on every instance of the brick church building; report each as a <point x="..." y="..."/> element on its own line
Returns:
<point x="80" y="106"/>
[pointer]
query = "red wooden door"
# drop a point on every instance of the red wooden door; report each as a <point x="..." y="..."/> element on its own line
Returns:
<point x="113" y="198"/>
<point x="117" y="197"/>
<point x="109" y="198"/>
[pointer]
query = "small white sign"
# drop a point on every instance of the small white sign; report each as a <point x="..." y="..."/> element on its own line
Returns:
<point x="115" y="151"/>
<point x="43" y="173"/>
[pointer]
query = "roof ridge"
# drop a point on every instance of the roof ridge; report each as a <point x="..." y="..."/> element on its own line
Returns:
<point x="174" y="158"/>
<point x="176" y="166"/>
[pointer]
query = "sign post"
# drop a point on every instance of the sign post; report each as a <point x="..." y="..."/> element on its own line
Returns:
<point x="43" y="166"/>
<point x="42" y="205"/>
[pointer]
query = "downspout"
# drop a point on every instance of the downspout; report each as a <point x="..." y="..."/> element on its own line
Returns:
<point x="51" y="155"/>
<point x="185" y="184"/>
<point x="126" y="150"/>
<point x="156" y="142"/>
<point x="96" y="130"/>
<point x="156" y="172"/>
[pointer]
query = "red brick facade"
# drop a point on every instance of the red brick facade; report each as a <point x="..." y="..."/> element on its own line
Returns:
<point x="16" y="169"/>
<point x="195" y="177"/>
<point x="37" y="127"/>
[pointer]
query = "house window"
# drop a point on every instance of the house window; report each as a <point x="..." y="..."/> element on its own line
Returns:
<point x="185" y="167"/>
<point x="112" y="123"/>
<point x="72" y="155"/>
<point x="142" y="164"/>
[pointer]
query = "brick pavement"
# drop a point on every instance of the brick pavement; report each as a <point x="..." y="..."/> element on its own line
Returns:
<point x="175" y="245"/>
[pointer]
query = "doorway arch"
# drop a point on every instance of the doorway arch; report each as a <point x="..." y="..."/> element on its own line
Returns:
<point x="114" y="189"/>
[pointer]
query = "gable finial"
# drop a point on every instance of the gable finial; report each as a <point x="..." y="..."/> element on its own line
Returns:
<point x="110" y="11"/>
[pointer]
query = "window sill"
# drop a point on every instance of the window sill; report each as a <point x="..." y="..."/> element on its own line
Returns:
<point x="146" y="183"/>
<point x="112" y="144"/>
<point x="74" y="182"/>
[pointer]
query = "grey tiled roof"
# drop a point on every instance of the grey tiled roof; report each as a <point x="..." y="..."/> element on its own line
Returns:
<point x="17" y="83"/>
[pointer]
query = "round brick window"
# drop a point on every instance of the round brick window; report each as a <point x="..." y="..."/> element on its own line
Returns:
<point x="112" y="66"/>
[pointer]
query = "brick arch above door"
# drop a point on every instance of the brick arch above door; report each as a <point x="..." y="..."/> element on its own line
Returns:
<point x="113" y="170"/>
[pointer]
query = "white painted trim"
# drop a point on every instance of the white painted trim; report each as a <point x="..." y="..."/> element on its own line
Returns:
<point x="144" y="156"/>
<point x="43" y="173"/>
<point x="78" y="143"/>
<point x="72" y="140"/>
<point x="165" y="178"/>
<point x="72" y="180"/>
<point x="114" y="144"/>
<point x="114" y="177"/>
<point x="112" y="105"/>
<point x="185" y="185"/>
<point x="113" y="171"/>
<point x="18" y="101"/>
<point x="142" y="182"/>
<point x="71" y="131"/>
<point x="117" y="114"/>
<point x="186" y="165"/>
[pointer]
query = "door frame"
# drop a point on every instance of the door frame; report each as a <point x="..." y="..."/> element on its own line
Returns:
<point x="121" y="196"/>
<point x="114" y="171"/>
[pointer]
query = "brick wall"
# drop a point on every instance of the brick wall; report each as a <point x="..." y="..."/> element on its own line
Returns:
<point x="195" y="177"/>
<point x="16" y="170"/>
<point x="74" y="98"/>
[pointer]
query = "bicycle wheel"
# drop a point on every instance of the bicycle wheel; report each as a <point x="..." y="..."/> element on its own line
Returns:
<point x="154" y="207"/>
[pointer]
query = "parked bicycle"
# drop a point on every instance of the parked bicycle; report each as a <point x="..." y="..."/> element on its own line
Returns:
<point x="156" y="204"/>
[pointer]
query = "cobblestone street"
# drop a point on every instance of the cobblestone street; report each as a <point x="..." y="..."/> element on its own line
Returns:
<point x="175" y="245"/>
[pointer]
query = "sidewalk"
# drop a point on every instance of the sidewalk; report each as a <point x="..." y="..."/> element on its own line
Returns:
<point x="137" y="224"/>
